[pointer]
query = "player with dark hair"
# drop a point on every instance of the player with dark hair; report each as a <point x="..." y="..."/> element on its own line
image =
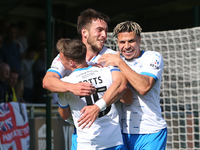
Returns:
<point x="98" y="136"/>
<point x="93" y="27"/>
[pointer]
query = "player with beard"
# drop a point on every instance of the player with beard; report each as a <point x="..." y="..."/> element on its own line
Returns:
<point x="93" y="27"/>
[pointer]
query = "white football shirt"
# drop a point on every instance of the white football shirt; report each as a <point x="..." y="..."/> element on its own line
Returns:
<point x="57" y="67"/>
<point x="105" y="132"/>
<point x="144" y="116"/>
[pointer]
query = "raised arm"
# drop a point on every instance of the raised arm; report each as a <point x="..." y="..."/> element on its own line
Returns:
<point x="52" y="82"/>
<point x="141" y="83"/>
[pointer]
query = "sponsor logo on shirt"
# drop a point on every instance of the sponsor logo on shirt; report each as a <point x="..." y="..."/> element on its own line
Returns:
<point x="155" y="64"/>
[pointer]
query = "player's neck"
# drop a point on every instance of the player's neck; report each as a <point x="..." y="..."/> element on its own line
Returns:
<point x="82" y="65"/>
<point x="90" y="54"/>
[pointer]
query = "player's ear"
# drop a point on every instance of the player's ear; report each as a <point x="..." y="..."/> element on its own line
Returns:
<point x="84" y="32"/>
<point x="72" y="63"/>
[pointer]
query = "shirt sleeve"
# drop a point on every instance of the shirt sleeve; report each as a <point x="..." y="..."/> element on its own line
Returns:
<point x="62" y="101"/>
<point x="58" y="67"/>
<point x="153" y="66"/>
<point x="113" y="68"/>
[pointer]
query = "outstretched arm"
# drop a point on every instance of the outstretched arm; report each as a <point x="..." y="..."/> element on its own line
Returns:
<point x="52" y="82"/>
<point x="113" y="93"/>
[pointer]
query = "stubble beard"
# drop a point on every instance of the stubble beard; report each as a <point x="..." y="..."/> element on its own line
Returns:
<point x="94" y="46"/>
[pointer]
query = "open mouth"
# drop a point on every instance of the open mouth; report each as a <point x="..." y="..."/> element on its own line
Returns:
<point x="130" y="51"/>
<point x="102" y="41"/>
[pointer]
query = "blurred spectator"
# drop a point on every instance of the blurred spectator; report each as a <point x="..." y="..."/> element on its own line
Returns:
<point x="4" y="25"/>
<point x="59" y="33"/>
<point x="27" y="74"/>
<point x="39" y="70"/>
<point x="40" y="63"/>
<point x="10" y="50"/>
<point x="38" y="37"/>
<point x="38" y="48"/>
<point x="39" y="95"/>
<point x="1" y="42"/>
<point x="12" y="80"/>
<point x="54" y="99"/>
<point x="4" y="75"/>
<point x="21" y="39"/>
<point x="19" y="90"/>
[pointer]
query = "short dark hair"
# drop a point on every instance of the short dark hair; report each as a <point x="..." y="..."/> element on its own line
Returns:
<point x="87" y="16"/>
<point x="73" y="49"/>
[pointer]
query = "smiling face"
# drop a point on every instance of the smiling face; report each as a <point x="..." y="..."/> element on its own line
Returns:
<point x="129" y="44"/>
<point x="95" y="35"/>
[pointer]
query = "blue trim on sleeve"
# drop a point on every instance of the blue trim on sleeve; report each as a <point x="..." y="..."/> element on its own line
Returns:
<point x="149" y="74"/>
<point x="63" y="106"/>
<point x="115" y="69"/>
<point x="50" y="70"/>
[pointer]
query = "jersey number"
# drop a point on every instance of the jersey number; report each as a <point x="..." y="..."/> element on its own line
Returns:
<point x="96" y="97"/>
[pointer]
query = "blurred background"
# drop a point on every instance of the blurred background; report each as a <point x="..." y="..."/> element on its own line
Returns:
<point x="154" y="15"/>
<point x="168" y="27"/>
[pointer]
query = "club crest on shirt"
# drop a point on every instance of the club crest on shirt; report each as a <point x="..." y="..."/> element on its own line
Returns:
<point x="155" y="64"/>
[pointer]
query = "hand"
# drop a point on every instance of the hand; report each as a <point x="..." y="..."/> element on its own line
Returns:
<point x="82" y="89"/>
<point x="110" y="59"/>
<point x="89" y="115"/>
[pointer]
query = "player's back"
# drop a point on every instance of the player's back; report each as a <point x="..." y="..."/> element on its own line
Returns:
<point x="105" y="131"/>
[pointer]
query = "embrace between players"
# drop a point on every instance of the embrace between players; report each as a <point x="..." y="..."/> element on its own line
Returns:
<point x="118" y="108"/>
